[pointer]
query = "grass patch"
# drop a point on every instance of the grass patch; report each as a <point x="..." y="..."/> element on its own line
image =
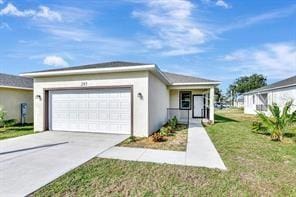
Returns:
<point x="256" y="166"/>
<point x="15" y="131"/>
<point x="176" y="141"/>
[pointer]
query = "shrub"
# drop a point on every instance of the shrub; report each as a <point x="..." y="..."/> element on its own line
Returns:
<point x="169" y="129"/>
<point x="279" y="121"/>
<point x="2" y="117"/>
<point x="173" y="122"/>
<point x="164" y="131"/>
<point x="157" y="137"/>
<point x="9" y="123"/>
<point x="131" y="139"/>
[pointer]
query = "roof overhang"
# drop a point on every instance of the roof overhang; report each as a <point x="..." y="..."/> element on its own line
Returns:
<point x="192" y="87"/>
<point x="149" y="67"/>
<point x="269" y="89"/>
<point x="196" y="83"/>
<point x="14" y="87"/>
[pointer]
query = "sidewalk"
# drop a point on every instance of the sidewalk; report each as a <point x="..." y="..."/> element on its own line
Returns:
<point x="200" y="152"/>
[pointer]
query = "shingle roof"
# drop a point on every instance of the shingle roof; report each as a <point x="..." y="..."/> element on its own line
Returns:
<point x="99" y="65"/>
<point x="176" y="78"/>
<point x="286" y="82"/>
<point x="172" y="77"/>
<point x="15" y="81"/>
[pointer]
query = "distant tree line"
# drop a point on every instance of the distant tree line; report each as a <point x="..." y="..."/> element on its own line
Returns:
<point x="239" y="86"/>
<point x="245" y="84"/>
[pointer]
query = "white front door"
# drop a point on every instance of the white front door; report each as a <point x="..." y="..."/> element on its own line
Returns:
<point x="92" y="110"/>
<point x="198" y="106"/>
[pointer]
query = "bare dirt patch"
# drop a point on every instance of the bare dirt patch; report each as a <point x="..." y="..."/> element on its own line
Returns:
<point x="176" y="141"/>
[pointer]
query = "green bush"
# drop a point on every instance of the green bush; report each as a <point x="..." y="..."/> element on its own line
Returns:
<point x="164" y="131"/>
<point x="10" y="122"/>
<point x="131" y="139"/>
<point x="173" y="122"/>
<point x="2" y="117"/>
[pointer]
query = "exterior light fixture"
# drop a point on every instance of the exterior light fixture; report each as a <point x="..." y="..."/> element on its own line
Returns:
<point x="38" y="97"/>
<point x="140" y="95"/>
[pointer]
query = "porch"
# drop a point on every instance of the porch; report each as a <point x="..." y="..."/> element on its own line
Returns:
<point x="190" y="104"/>
<point x="262" y="102"/>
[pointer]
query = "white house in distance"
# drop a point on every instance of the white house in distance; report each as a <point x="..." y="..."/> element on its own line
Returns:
<point x="239" y="102"/>
<point x="117" y="97"/>
<point x="279" y="92"/>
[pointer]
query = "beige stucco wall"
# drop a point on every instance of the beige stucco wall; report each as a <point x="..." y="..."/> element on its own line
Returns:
<point x="11" y="99"/>
<point x="174" y="97"/>
<point x="139" y="81"/>
<point x="158" y="103"/>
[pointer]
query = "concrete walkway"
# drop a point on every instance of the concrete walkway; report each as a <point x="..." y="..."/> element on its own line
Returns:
<point x="200" y="152"/>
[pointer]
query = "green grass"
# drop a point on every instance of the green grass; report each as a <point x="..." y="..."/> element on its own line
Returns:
<point x="15" y="131"/>
<point x="256" y="167"/>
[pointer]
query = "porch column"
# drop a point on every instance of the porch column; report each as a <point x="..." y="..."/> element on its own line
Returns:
<point x="212" y="98"/>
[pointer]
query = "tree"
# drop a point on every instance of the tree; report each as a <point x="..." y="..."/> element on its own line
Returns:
<point x="245" y="84"/>
<point x="278" y="122"/>
<point x="218" y="94"/>
<point x="248" y="83"/>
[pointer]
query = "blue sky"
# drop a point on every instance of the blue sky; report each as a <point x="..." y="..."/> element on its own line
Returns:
<point x="216" y="39"/>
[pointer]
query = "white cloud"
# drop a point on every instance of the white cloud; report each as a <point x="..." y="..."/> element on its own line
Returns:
<point x="267" y="16"/>
<point x="220" y="3"/>
<point x="172" y="25"/>
<point x="277" y="60"/>
<point x="55" y="61"/>
<point x="4" y="26"/>
<point x="1" y="1"/>
<point x="43" y="12"/>
<point x="223" y="4"/>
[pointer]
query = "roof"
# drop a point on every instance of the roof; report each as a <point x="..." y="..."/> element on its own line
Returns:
<point x="291" y="81"/>
<point x="113" y="64"/>
<point x="15" y="81"/>
<point x="177" y="78"/>
<point x="121" y="66"/>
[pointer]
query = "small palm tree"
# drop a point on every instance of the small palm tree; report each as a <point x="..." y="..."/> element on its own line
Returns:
<point x="279" y="121"/>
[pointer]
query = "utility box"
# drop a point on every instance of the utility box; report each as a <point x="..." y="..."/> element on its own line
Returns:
<point x="24" y="112"/>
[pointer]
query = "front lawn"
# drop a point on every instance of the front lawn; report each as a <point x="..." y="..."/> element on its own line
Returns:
<point x="176" y="141"/>
<point x="15" y="131"/>
<point x="256" y="167"/>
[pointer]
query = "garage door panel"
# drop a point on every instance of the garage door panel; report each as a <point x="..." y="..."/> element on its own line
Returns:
<point x="93" y="116"/>
<point x="104" y="115"/>
<point x="99" y="110"/>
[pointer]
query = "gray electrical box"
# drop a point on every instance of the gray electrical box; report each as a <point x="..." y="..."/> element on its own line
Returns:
<point x="24" y="111"/>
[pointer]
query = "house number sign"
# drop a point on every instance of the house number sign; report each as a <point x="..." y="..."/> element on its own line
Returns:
<point x="84" y="84"/>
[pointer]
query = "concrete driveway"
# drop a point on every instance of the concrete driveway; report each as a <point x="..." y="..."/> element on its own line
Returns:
<point x="30" y="162"/>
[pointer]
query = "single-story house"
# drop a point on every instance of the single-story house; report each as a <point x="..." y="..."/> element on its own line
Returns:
<point x="16" y="96"/>
<point x="279" y="93"/>
<point x="239" y="102"/>
<point x="117" y="97"/>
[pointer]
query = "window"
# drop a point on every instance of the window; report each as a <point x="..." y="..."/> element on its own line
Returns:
<point x="185" y="100"/>
<point x="253" y="99"/>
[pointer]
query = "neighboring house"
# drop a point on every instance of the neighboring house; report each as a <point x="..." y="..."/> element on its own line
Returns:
<point x="279" y="93"/>
<point x="15" y="90"/>
<point x="239" y="102"/>
<point x="117" y="97"/>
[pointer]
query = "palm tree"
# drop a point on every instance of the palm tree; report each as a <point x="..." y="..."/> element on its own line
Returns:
<point x="279" y="121"/>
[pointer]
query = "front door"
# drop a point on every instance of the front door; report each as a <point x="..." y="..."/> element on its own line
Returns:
<point x="198" y="106"/>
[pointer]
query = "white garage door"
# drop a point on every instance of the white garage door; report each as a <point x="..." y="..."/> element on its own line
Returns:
<point x="95" y="110"/>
